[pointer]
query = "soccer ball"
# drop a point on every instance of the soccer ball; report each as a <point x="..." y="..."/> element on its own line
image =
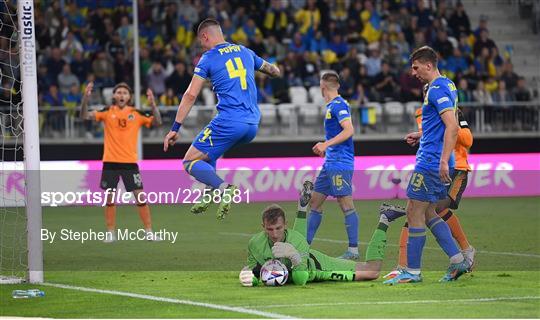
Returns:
<point x="274" y="273"/>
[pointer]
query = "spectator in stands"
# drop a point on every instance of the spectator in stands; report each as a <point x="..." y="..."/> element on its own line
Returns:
<point x="169" y="99"/>
<point x="125" y="31"/>
<point x="114" y="46"/>
<point x="464" y="46"/>
<point x="502" y="95"/>
<point x="257" y="45"/>
<point x="521" y="92"/>
<point x="459" y="21"/>
<point x="69" y="46"/>
<point x="156" y="79"/>
<point x="103" y="69"/>
<point x="55" y="63"/>
<point x="44" y="80"/>
<point x="482" y="25"/>
<point x="338" y="45"/>
<point x="472" y="76"/>
<point x="484" y="65"/>
<point x="274" y="49"/>
<point x="72" y="99"/>
<point x="179" y="80"/>
<point x="456" y="63"/>
<point x="80" y="66"/>
<point x="424" y="15"/>
<point x="509" y="76"/>
<point x="395" y="58"/>
<point x="318" y="43"/>
<point x="297" y="45"/>
<point x="481" y="95"/>
<point x="123" y="69"/>
<point x="275" y="20"/>
<point x="90" y="45"/>
<point x="360" y="97"/>
<point x="442" y="45"/>
<point x="308" y="18"/>
<point x="351" y="60"/>
<point x="403" y="46"/>
<point x="464" y="94"/>
<point x="53" y="98"/>
<point x="483" y="42"/>
<point x="491" y="85"/>
<point x="373" y="63"/>
<point x="66" y="79"/>
<point x="385" y="84"/>
<point x="280" y="87"/>
<point x="411" y="87"/>
<point x="346" y="83"/>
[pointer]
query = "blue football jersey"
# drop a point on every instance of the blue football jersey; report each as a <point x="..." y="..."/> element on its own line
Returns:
<point x="338" y="110"/>
<point x="441" y="97"/>
<point x="231" y="69"/>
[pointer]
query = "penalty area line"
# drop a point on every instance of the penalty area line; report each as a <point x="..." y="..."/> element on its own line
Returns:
<point x="494" y="299"/>
<point x="499" y="253"/>
<point x="172" y="300"/>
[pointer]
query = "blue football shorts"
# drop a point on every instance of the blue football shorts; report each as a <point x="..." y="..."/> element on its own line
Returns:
<point x="335" y="179"/>
<point x="218" y="137"/>
<point x="425" y="185"/>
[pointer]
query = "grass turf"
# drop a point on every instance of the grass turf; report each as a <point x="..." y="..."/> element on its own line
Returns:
<point x="203" y="266"/>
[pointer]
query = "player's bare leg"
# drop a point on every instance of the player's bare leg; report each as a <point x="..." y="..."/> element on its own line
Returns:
<point x="315" y="215"/>
<point x="110" y="219"/>
<point x="351" y="225"/>
<point x="144" y="214"/>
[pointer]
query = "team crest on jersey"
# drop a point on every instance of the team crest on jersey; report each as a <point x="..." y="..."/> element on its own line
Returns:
<point x="131" y="117"/>
<point x="328" y="114"/>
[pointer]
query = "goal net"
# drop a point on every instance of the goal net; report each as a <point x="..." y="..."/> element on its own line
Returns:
<point x="20" y="211"/>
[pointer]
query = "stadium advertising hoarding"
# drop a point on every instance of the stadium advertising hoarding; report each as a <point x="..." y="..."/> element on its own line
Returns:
<point x="271" y="179"/>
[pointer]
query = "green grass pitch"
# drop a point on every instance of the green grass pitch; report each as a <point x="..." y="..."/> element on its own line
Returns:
<point x="197" y="277"/>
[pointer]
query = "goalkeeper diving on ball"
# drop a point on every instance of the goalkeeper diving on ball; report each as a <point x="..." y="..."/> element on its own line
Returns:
<point x="306" y="264"/>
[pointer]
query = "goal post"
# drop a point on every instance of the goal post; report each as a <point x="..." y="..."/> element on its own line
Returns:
<point x="28" y="69"/>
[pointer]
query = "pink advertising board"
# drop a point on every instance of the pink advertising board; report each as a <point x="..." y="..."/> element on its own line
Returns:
<point x="275" y="179"/>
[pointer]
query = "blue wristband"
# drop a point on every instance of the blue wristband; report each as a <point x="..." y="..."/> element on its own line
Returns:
<point x="176" y="126"/>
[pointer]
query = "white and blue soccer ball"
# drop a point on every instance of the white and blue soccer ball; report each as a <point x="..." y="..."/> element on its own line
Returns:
<point x="274" y="273"/>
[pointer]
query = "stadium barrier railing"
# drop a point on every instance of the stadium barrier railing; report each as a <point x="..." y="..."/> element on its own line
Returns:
<point x="59" y="124"/>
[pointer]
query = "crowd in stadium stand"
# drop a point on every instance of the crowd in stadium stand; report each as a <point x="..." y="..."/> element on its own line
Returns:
<point x="367" y="42"/>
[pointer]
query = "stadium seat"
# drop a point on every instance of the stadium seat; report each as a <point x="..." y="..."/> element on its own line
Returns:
<point x="311" y="119"/>
<point x="107" y="95"/>
<point x="268" y="119"/>
<point x="299" y="95"/>
<point x="208" y="96"/>
<point x="410" y="108"/>
<point x="394" y="113"/>
<point x="316" y="96"/>
<point x="287" y="117"/>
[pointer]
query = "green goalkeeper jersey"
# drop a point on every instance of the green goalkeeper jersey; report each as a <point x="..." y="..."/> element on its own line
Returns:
<point x="315" y="266"/>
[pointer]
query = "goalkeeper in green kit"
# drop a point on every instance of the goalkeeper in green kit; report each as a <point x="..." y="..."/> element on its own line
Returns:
<point x="305" y="264"/>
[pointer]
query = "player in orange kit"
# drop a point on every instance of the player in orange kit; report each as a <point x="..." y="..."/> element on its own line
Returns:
<point x="444" y="207"/>
<point x="122" y="123"/>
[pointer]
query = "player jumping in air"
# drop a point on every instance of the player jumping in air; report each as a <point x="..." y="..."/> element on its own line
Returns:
<point x="231" y="69"/>
<point x="122" y="123"/>
<point x="444" y="207"/>
<point x="335" y="178"/>
<point x="432" y="170"/>
<point x="305" y="264"/>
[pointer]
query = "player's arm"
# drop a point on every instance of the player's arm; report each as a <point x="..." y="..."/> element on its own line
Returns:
<point x="270" y="69"/>
<point x="85" y="115"/>
<point x="247" y="274"/>
<point x="156" y="121"/>
<point x="188" y="99"/>
<point x="449" y="143"/>
<point x="346" y="133"/>
<point x="298" y="255"/>
<point x="465" y="137"/>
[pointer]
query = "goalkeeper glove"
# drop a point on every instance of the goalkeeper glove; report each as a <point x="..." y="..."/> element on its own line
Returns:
<point x="247" y="278"/>
<point x="287" y="250"/>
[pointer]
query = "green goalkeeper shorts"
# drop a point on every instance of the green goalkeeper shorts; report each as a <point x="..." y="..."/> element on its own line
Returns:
<point x="324" y="262"/>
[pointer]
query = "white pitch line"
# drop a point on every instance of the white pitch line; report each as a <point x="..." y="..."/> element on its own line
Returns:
<point x="497" y="299"/>
<point x="171" y="300"/>
<point x="500" y="253"/>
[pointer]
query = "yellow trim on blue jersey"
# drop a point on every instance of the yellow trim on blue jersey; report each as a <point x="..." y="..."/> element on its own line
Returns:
<point x="346" y="118"/>
<point x="200" y="77"/>
<point x="446" y="109"/>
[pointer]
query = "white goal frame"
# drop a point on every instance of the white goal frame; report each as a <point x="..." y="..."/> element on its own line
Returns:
<point x="27" y="45"/>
